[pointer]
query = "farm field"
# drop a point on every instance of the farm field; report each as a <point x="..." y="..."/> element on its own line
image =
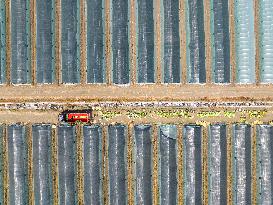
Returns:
<point x="179" y="91"/>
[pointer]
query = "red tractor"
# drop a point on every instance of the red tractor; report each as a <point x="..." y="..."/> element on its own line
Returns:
<point x="76" y="116"/>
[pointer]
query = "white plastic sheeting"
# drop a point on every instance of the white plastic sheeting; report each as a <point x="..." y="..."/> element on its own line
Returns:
<point x="241" y="164"/>
<point x="92" y="157"/>
<point x="143" y="164"/>
<point x="192" y="164"/>
<point x="116" y="149"/>
<point x="264" y="164"/>
<point x="95" y="41"/>
<point x="168" y="164"/>
<point x="117" y="164"/>
<point x="42" y="175"/>
<point x="20" y="42"/>
<point x="195" y="41"/>
<point x="70" y="41"/>
<point x="220" y="41"/>
<point x="145" y="41"/>
<point x="266" y="40"/>
<point x="244" y="41"/>
<point x="170" y="40"/>
<point x="45" y="64"/>
<point x="120" y="41"/>
<point x="217" y="164"/>
<point x="17" y="165"/>
<point x="67" y="165"/>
